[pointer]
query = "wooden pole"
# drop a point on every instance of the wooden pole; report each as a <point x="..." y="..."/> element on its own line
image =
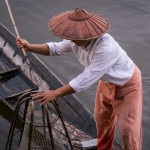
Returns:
<point x="15" y="27"/>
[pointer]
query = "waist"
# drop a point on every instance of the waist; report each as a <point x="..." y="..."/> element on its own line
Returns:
<point x="111" y="90"/>
<point x="119" y="76"/>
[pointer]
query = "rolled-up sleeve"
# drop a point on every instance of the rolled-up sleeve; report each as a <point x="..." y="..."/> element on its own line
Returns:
<point x="100" y="64"/>
<point x="59" y="48"/>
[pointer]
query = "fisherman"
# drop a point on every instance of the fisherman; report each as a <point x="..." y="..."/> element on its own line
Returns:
<point x="119" y="93"/>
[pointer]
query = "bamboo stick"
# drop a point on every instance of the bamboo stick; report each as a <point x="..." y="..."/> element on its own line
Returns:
<point x="15" y="27"/>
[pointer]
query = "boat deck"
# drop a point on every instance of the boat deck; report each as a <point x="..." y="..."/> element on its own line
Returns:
<point x="13" y="83"/>
<point x="12" y="80"/>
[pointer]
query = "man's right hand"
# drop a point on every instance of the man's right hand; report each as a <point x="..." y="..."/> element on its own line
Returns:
<point x="34" y="48"/>
<point x="22" y="43"/>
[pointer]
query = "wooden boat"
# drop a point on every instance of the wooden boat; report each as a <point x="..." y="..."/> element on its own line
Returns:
<point x="18" y="77"/>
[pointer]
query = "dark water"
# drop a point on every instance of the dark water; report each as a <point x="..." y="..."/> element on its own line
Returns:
<point x="130" y="20"/>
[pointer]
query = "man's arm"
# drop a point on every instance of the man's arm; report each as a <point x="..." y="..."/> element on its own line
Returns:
<point x="35" y="48"/>
<point x="39" y="49"/>
<point x="50" y="95"/>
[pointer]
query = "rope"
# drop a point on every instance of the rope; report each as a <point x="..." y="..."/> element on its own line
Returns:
<point x="15" y="27"/>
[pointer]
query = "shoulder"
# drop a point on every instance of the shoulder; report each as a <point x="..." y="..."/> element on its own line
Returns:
<point x="105" y="43"/>
<point x="63" y="42"/>
<point x="66" y="42"/>
<point x="105" y="39"/>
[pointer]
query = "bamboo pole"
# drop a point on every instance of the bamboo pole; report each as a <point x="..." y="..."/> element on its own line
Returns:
<point x="15" y="27"/>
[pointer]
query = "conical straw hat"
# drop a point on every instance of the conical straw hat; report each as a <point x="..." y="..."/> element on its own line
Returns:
<point x="78" y="25"/>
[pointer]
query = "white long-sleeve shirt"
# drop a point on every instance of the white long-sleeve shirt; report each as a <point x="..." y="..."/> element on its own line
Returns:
<point x="103" y="59"/>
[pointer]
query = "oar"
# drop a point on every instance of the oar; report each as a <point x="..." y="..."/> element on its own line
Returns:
<point x="15" y="28"/>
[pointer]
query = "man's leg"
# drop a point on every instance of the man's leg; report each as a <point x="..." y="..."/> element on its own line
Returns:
<point x="105" y="122"/>
<point x="129" y="111"/>
<point x="129" y="120"/>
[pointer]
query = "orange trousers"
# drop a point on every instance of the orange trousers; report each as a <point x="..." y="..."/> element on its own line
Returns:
<point x="123" y="103"/>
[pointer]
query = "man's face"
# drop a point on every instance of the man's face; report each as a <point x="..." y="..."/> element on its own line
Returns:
<point x="81" y="42"/>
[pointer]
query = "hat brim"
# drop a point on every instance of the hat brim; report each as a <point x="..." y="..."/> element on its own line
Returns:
<point x="93" y="26"/>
